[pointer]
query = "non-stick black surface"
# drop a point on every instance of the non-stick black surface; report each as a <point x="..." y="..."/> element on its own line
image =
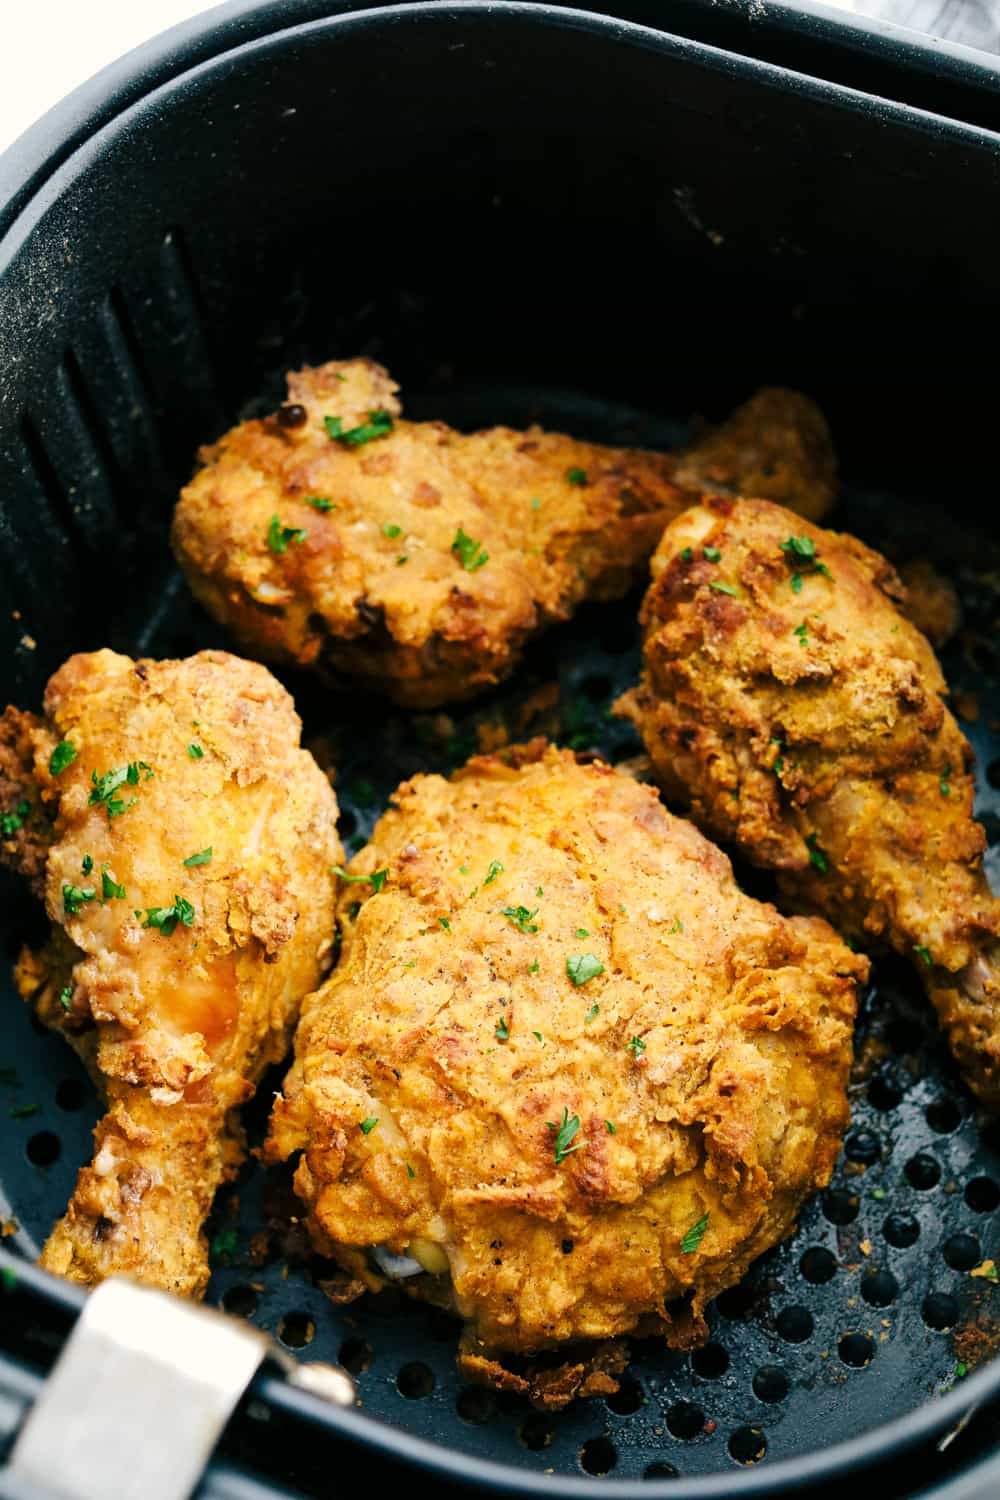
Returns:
<point x="870" y="1309"/>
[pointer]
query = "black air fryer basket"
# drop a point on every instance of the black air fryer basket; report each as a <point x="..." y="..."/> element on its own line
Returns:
<point x="528" y="212"/>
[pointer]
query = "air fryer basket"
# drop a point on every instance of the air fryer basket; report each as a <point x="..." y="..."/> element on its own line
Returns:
<point x="529" y="214"/>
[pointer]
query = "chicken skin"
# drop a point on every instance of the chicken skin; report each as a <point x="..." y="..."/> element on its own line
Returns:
<point x="567" y="1078"/>
<point x="418" y="560"/>
<point x="183" y="844"/>
<point x="790" y="705"/>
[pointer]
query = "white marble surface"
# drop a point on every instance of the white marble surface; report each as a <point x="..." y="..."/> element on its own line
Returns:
<point x="50" y="46"/>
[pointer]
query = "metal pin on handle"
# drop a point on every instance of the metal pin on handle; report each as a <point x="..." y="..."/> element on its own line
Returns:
<point x="139" y="1397"/>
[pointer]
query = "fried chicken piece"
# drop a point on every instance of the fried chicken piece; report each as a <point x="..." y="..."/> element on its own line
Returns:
<point x="419" y="560"/>
<point x="566" y="1073"/>
<point x="791" y="706"/>
<point x="186" y="871"/>
<point x="931" y="601"/>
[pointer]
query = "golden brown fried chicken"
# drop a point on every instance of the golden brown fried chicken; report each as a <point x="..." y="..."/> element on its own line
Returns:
<point x="185" y="845"/>
<point x="419" y="560"/>
<point x="566" y="1072"/>
<point x="793" y="708"/>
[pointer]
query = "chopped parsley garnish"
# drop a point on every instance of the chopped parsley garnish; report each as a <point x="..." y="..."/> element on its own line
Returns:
<point x="87" y="864"/>
<point x="694" y="1235"/>
<point x="320" y="502"/>
<point x="803" y="549"/>
<point x="203" y="857"/>
<point x="12" y="821"/>
<point x="676" y="926"/>
<point x="104" y="787"/>
<point x="817" y="857"/>
<point x="536" y="504"/>
<point x="687" y="554"/>
<point x="878" y="1194"/>
<point x="802" y="633"/>
<point x="961" y="1370"/>
<point x="166" y="918"/>
<point x="443" y="921"/>
<point x="637" y="1046"/>
<point x="724" y="588"/>
<point x="391" y="530"/>
<point x="711" y="554"/>
<point x="377" y="879"/>
<point x="62" y="756"/>
<point x="22" y="1111"/>
<point x="576" y="476"/>
<point x="279" y="536"/>
<point x="379" y="425"/>
<point x="565" y="1131"/>
<point x="943" y="783"/>
<point x="592" y="1013"/>
<point x="223" y="1247"/>
<point x="409" y="1171"/>
<point x="495" y="869"/>
<point x="611" y="1127"/>
<point x="66" y="996"/>
<point x="923" y="953"/>
<point x="74" y="897"/>
<point x="403" y="558"/>
<point x="195" y="751"/>
<point x="367" y="1126"/>
<point x="582" y="967"/>
<point x="502" y="1029"/>
<point x="534" y="968"/>
<point x="110" y="889"/>
<point x="521" y="917"/>
<point x="581" y="932"/>
<point x="471" y="554"/>
<point x="800" y="546"/>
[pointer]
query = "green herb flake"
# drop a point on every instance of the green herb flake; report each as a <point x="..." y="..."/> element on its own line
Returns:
<point x="725" y="588"/>
<point x="320" y="502"/>
<point x="443" y="921"/>
<point x="536" y="504"/>
<point x="943" y="783"/>
<point x="565" y="1130"/>
<point x="66" y="996"/>
<point x="592" y="1013"/>
<point x="582" y="967"/>
<point x="195" y="751"/>
<point x="278" y="536"/>
<point x="379" y="425"/>
<point x="87" y="864"/>
<point x="376" y="880"/>
<point x="367" y="1126"/>
<point x="923" y="953"/>
<point x="203" y="857"/>
<point x="961" y="1370"/>
<point x="534" y="968"/>
<point x="817" y="858"/>
<point x="62" y="756"/>
<point x="800" y="546"/>
<point x="796" y="582"/>
<point x="676" y="926"/>
<point x="410" y="1172"/>
<point x="74" y="897"/>
<point x="612" y="1128"/>
<point x="8" y="1280"/>
<point x="581" y="932"/>
<point x="391" y="530"/>
<point x="878" y="1194"/>
<point x="23" y="1111"/>
<point x="687" y="555"/>
<point x="403" y="558"/>
<point x="576" y="476"/>
<point x="12" y="821"/>
<point x="495" y="869"/>
<point x="694" y="1236"/>
<point x="502" y="1030"/>
<point x="637" y="1046"/>
<point x="471" y="554"/>
<point x="521" y="918"/>
<point x="223" y="1247"/>
<point x="166" y="918"/>
<point x="711" y="554"/>
<point x="538" y="1036"/>
<point x="802" y="633"/>
<point x="110" y="889"/>
<point x="103" y="788"/>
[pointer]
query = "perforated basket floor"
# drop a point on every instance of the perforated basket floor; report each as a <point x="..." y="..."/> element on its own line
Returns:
<point x="882" y="1298"/>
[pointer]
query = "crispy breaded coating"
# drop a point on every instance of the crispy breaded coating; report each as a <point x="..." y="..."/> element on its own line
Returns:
<point x="188" y="882"/>
<point x="788" y="702"/>
<point x="419" y="560"/>
<point x="565" y="1068"/>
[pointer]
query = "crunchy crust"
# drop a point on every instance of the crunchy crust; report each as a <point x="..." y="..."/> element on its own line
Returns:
<point x="176" y="1028"/>
<point x="795" y="722"/>
<point x="429" y="630"/>
<point x="731" y="1101"/>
